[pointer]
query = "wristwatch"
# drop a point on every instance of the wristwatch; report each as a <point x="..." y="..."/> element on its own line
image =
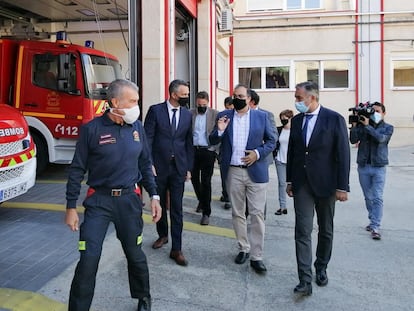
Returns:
<point x="155" y="197"/>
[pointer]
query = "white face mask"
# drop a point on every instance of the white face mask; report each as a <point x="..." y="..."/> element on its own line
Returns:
<point x="131" y="114"/>
<point x="376" y="117"/>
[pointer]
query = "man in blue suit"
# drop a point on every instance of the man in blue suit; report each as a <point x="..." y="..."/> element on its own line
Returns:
<point x="170" y="138"/>
<point x="246" y="137"/>
<point x="317" y="174"/>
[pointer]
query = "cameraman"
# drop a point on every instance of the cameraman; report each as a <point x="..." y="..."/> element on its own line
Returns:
<point x="372" y="134"/>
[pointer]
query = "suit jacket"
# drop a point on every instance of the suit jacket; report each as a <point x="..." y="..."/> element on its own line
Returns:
<point x="211" y="116"/>
<point x="163" y="145"/>
<point x="325" y="163"/>
<point x="261" y="137"/>
<point x="271" y="116"/>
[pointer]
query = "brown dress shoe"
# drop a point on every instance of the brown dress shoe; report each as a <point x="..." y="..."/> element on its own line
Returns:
<point x="178" y="258"/>
<point x="160" y="242"/>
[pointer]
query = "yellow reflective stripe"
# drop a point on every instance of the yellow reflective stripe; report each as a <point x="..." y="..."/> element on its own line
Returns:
<point x="12" y="162"/>
<point x="24" y="157"/>
<point x="45" y="115"/>
<point x="82" y="245"/>
<point x="1" y="162"/>
<point x="139" y="239"/>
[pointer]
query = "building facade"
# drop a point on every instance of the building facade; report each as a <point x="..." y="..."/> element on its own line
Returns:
<point x="356" y="50"/>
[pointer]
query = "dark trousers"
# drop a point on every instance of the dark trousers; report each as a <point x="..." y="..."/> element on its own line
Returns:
<point x="201" y="177"/>
<point x="305" y="203"/>
<point x="173" y="183"/>
<point x="223" y="184"/>
<point x="126" y="214"/>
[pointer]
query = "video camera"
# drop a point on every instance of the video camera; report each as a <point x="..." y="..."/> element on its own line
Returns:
<point x="363" y="109"/>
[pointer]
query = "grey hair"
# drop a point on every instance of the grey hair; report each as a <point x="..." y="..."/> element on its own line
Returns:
<point x="310" y="87"/>
<point x="116" y="86"/>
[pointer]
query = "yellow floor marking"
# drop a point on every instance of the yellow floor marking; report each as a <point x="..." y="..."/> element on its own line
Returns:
<point x="18" y="300"/>
<point x="212" y="230"/>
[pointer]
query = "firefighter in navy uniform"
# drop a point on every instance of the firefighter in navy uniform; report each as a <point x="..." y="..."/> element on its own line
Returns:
<point x="113" y="150"/>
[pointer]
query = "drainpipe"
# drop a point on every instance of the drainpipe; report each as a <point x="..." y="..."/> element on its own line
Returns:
<point x="212" y="52"/>
<point x="166" y="47"/>
<point x="231" y="62"/>
<point x="382" y="51"/>
<point x="356" y="54"/>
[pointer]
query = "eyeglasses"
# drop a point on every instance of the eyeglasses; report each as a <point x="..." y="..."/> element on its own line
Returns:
<point x="240" y="96"/>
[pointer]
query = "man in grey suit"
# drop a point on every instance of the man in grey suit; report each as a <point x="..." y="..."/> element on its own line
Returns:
<point x="317" y="174"/>
<point x="204" y="119"/>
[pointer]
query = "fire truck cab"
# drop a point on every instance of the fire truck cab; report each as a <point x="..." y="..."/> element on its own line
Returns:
<point x="57" y="86"/>
<point x="17" y="154"/>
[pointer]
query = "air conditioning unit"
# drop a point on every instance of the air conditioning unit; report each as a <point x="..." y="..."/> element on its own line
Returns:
<point x="226" y="21"/>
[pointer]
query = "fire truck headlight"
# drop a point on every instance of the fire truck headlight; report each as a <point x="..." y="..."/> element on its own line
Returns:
<point x="26" y="142"/>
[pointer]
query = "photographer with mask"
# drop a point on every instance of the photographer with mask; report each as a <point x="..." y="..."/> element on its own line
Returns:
<point x="372" y="135"/>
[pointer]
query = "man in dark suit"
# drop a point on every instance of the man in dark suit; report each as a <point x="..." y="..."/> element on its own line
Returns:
<point x="204" y="119"/>
<point x="317" y="174"/>
<point x="246" y="137"/>
<point x="170" y="139"/>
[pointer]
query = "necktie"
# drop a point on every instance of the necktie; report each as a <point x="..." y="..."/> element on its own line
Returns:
<point x="305" y="127"/>
<point x="174" y="122"/>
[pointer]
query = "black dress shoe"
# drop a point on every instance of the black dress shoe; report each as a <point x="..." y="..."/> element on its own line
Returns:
<point x="258" y="266"/>
<point x="321" y="278"/>
<point x="224" y="199"/>
<point x="281" y="211"/>
<point x="241" y="258"/>
<point x="303" y="288"/>
<point x="205" y="220"/>
<point x="144" y="304"/>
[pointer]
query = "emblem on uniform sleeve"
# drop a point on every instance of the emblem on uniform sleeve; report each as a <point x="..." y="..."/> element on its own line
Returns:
<point x="136" y="135"/>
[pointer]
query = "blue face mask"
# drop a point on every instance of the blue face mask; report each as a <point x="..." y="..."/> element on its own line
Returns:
<point x="376" y="117"/>
<point x="301" y="107"/>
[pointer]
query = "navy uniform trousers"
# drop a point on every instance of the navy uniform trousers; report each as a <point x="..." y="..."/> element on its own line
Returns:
<point x="125" y="212"/>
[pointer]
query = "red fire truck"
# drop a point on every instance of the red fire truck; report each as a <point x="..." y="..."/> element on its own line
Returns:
<point x="57" y="86"/>
<point x="17" y="154"/>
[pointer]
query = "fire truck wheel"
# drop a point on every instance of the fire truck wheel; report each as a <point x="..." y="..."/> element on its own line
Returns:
<point x="42" y="155"/>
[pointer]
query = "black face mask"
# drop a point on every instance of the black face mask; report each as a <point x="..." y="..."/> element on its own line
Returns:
<point x="183" y="101"/>
<point x="239" y="104"/>
<point x="284" y="121"/>
<point x="201" y="110"/>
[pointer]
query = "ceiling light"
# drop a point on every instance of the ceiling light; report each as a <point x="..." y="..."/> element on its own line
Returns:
<point x="66" y="2"/>
<point x="86" y="12"/>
